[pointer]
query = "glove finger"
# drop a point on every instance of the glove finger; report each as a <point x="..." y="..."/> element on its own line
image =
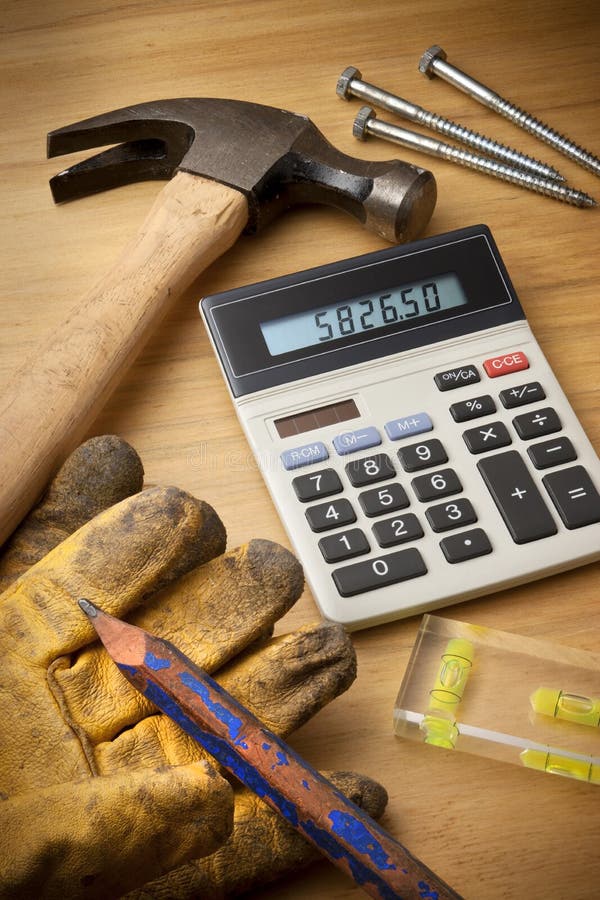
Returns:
<point x="98" y="474"/>
<point x="284" y="684"/>
<point x="117" y="560"/>
<point x="213" y="613"/>
<point x="101" y="837"/>
<point x="289" y="679"/>
<point x="262" y="848"/>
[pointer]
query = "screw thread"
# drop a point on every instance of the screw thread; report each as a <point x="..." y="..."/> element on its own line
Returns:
<point x="547" y="134"/>
<point x="523" y="179"/>
<point x="486" y="145"/>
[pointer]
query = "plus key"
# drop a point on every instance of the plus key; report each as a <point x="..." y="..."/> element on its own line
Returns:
<point x="516" y="495"/>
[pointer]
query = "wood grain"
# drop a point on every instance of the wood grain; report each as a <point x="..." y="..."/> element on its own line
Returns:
<point x="491" y="830"/>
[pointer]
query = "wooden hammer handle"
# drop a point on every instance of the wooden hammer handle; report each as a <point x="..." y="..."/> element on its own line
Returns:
<point x="51" y="402"/>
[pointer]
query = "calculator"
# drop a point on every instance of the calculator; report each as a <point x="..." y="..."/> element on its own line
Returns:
<point x="416" y="443"/>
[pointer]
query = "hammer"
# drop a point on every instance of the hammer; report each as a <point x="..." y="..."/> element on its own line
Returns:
<point x="233" y="167"/>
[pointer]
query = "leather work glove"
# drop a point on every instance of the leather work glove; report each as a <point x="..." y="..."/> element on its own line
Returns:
<point x="100" y="794"/>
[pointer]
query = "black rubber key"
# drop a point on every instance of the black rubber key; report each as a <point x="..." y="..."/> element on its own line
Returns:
<point x="330" y="515"/>
<point x="515" y="494"/>
<point x="414" y="457"/>
<point x="336" y="547"/>
<point x="535" y="424"/>
<point x="531" y="392"/>
<point x="317" y="484"/>
<point x="370" y="469"/>
<point x="544" y="454"/>
<point x="397" y="530"/>
<point x="383" y="500"/>
<point x="375" y="573"/>
<point x="438" y="484"/>
<point x="473" y="408"/>
<point x="467" y="545"/>
<point x="453" y="514"/>
<point x="574" y="496"/>
<point x="487" y="437"/>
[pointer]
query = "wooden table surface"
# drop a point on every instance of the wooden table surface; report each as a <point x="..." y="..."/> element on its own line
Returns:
<point x="491" y="830"/>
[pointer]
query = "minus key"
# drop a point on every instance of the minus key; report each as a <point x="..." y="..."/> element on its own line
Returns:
<point x="552" y="453"/>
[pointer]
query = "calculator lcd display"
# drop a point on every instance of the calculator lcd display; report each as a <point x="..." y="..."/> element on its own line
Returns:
<point x="374" y="311"/>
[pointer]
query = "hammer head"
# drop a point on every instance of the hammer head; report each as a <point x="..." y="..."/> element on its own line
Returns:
<point x="276" y="158"/>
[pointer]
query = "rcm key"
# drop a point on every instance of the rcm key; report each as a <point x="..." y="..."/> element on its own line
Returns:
<point x="514" y="491"/>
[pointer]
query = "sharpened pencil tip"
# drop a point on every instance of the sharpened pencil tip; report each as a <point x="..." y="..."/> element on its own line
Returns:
<point x="88" y="608"/>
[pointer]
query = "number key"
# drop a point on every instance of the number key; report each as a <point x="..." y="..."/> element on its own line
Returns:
<point x="383" y="500"/>
<point x="336" y="547"/>
<point x="397" y="530"/>
<point x="370" y="469"/>
<point x="422" y="456"/>
<point x="330" y="515"/>
<point x="375" y="573"/>
<point x="437" y="484"/>
<point x="317" y="484"/>
<point x="451" y="515"/>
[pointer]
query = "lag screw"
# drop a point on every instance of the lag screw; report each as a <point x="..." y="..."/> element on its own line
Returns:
<point x="433" y="62"/>
<point x="350" y="85"/>
<point x="366" y="122"/>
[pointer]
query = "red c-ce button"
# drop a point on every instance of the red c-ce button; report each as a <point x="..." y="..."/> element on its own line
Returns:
<point x="508" y="362"/>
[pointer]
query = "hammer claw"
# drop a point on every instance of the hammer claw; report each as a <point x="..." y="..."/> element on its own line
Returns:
<point x="126" y="163"/>
<point x="131" y="123"/>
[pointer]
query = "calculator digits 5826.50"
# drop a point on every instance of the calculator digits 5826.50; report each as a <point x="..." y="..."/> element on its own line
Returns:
<point x="413" y="437"/>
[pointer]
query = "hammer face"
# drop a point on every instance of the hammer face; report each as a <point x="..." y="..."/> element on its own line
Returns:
<point x="274" y="157"/>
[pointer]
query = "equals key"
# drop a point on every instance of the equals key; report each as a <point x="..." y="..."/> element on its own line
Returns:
<point x="574" y="496"/>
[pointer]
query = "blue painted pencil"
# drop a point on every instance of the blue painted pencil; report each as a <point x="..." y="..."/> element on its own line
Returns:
<point x="264" y="763"/>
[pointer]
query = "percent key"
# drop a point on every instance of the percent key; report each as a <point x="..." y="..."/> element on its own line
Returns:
<point x="473" y="409"/>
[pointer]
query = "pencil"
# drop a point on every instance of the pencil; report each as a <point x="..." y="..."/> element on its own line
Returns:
<point x="342" y="831"/>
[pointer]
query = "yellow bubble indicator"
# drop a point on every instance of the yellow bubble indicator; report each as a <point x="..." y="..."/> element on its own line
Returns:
<point x="557" y="764"/>
<point x="571" y="707"/>
<point x="439" y="724"/>
<point x="452" y="676"/>
<point x="439" y="732"/>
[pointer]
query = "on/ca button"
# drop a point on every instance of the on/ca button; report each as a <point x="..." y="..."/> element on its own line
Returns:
<point x="508" y="362"/>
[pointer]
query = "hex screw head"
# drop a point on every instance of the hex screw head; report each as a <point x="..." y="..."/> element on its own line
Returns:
<point x="428" y="58"/>
<point x="344" y="82"/>
<point x="363" y="117"/>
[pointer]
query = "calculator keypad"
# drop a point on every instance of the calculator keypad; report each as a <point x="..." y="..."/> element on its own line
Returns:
<point x="408" y="504"/>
